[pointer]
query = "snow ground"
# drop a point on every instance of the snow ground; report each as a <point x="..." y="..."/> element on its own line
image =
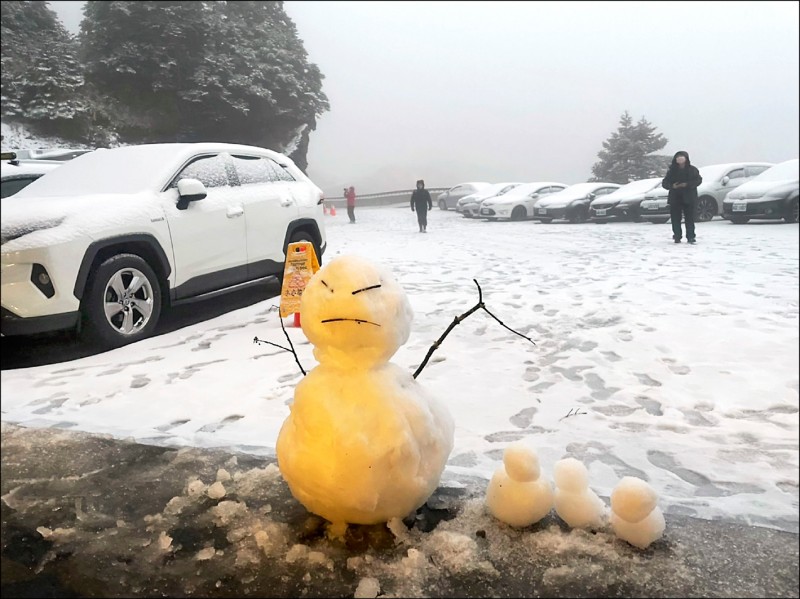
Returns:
<point x="680" y="361"/>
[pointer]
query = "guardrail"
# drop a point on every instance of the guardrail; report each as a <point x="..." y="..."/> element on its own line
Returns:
<point x="384" y="198"/>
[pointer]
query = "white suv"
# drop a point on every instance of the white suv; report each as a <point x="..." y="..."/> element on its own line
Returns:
<point x="107" y="239"/>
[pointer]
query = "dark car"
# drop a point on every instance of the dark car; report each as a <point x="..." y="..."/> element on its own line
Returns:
<point x="572" y="204"/>
<point x="622" y="204"/>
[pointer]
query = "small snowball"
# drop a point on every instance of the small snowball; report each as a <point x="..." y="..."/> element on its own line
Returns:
<point x="571" y="475"/>
<point x="633" y="499"/>
<point x="205" y="554"/>
<point x="223" y="475"/>
<point x="164" y="541"/>
<point x="216" y="491"/>
<point x="195" y="488"/>
<point x="521" y="462"/>
<point x="367" y="588"/>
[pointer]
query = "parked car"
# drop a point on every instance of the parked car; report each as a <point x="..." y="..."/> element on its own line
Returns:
<point x="17" y="174"/>
<point x="718" y="181"/>
<point x="622" y="204"/>
<point x="572" y="204"/>
<point x="449" y="199"/>
<point x="771" y="195"/>
<point x="108" y="238"/>
<point x="470" y="205"/>
<point x="61" y="154"/>
<point x="518" y="203"/>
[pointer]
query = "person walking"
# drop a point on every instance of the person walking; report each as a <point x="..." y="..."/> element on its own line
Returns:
<point x="682" y="180"/>
<point x="350" y="195"/>
<point x="420" y="203"/>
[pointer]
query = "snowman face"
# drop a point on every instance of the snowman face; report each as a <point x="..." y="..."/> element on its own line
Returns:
<point x="356" y="307"/>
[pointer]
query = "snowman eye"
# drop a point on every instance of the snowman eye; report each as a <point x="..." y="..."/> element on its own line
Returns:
<point x="326" y="285"/>
<point x="366" y="289"/>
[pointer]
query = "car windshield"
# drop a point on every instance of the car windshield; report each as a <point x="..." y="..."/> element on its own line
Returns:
<point x="714" y="172"/>
<point x="125" y="170"/>
<point x="577" y="189"/>
<point x="636" y="187"/>
<point x="785" y="171"/>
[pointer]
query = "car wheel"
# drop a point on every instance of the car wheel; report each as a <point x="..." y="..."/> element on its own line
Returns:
<point x="442" y="205"/>
<point x="519" y="213"/>
<point x="579" y="215"/>
<point x="122" y="303"/>
<point x="706" y="209"/>
<point x="792" y="214"/>
<point x="739" y="220"/>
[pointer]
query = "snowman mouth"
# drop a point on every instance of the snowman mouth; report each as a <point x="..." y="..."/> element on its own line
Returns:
<point x="355" y="320"/>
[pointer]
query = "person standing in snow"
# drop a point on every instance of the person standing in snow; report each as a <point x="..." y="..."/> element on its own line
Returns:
<point x="350" y="195"/>
<point x="682" y="180"/>
<point x="420" y="203"/>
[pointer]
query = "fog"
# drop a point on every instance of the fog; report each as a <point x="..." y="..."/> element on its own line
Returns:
<point x="496" y="91"/>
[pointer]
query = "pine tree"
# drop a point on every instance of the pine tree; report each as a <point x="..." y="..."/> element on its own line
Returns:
<point x="42" y="82"/>
<point x="213" y="71"/>
<point x="628" y="154"/>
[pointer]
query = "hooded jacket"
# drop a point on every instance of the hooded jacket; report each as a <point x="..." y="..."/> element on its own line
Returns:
<point x="688" y="175"/>
<point x="421" y="198"/>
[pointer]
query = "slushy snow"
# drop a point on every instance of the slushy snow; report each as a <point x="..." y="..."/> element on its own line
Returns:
<point x="517" y="494"/>
<point x="577" y="504"/>
<point x="635" y="515"/>
<point x="364" y="442"/>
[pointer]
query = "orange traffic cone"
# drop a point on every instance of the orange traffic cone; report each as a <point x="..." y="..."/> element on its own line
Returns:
<point x="333" y="210"/>
<point x="297" y="319"/>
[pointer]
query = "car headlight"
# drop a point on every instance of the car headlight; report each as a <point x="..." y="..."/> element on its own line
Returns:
<point x="778" y="194"/>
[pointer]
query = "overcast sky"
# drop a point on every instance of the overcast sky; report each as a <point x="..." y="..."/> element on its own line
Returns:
<point x="458" y="91"/>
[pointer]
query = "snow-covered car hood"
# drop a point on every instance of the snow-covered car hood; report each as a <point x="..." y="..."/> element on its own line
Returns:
<point x="756" y="189"/>
<point x="39" y="221"/>
<point x="560" y="199"/>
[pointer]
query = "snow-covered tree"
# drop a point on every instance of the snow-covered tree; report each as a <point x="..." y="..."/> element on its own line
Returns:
<point x="42" y="82"/>
<point x="189" y="71"/>
<point x="628" y="155"/>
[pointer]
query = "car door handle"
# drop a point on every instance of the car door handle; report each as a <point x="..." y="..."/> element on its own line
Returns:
<point x="235" y="211"/>
<point x="286" y="202"/>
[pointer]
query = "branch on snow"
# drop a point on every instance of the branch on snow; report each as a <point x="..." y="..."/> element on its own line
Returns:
<point x="479" y="306"/>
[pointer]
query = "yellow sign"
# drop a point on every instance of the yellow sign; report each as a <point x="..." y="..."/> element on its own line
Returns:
<point x="301" y="264"/>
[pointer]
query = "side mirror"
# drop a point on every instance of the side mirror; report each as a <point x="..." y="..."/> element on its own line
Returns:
<point x="726" y="179"/>
<point x="590" y="196"/>
<point x="190" y="190"/>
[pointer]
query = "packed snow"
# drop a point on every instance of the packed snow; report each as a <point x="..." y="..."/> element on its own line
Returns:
<point x="517" y="494"/>
<point x="575" y="502"/>
<point x="674" y="364"/>
<point x="635" y="516"/>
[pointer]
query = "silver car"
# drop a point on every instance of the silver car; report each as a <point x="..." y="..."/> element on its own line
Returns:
<point x="470" y="205"/>
<point x="449" y="199"/>
<point x="718" y="181"/>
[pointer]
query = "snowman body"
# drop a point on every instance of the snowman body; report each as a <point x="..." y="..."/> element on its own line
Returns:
<point x="517" y="494"/>
<point x="575" y="502"/>
<point x="364" y="442"/>
<point x="635" y="515"/>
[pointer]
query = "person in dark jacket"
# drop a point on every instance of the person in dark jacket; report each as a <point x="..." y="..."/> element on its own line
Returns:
<point x="420" y="203"/>
<point x="682" y="180"/>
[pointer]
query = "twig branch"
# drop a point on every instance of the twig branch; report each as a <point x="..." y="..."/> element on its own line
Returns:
<point x="576" y="412"/>
<point x="457" y="320"/>
<point x="296" y="359"/>
<point x="257" y="340"/>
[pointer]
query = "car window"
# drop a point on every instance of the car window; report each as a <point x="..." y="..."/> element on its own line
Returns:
<point x="281" y="174"/>
<point x="252" y="170"/>
<point x="456" y="189"/>
<point x="754" y="170"/>
<point x="209" y="170"/>
<point x="604" y="191"/>
<point x="11" y="186"/>
<point x="736" y="174"/>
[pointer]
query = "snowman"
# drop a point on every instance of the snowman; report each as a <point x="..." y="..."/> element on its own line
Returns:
<point x="576" y="504"/>
<point x="635" y="515"/>
<point x="364" y="442"/>
<point x="517" y="494"/>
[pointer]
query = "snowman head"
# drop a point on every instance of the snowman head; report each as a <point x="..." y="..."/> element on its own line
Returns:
<point x="355" y="313"/>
